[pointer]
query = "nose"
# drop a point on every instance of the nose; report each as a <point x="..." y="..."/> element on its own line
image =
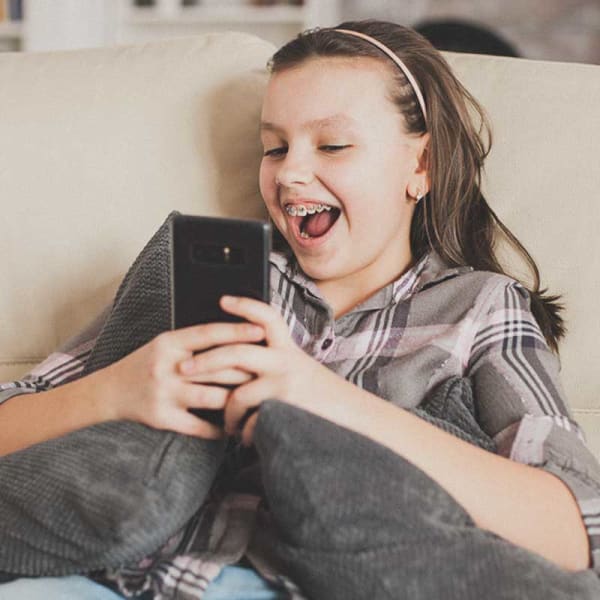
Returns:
<point x="295" y="169"/>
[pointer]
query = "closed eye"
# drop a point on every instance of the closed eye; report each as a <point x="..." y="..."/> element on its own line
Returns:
<point x="275" y="151"/>
<point x="280" y="151"/>
<point x="333" y="148"/>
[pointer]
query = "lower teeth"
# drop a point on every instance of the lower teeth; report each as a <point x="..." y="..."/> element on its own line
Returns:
<point x="304" y="235"/>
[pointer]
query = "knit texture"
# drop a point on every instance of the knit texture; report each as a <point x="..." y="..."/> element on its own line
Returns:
<point x="349" y="519"/>
<point x="112" y="493"/>
<point x="451" y="407"/>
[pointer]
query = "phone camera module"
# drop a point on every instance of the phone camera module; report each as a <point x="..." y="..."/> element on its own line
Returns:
<point x="214" y="254"/>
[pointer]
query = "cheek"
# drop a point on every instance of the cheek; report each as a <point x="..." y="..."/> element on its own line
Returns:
<point x="269" y="193"/>
<point x="266" y="183"/>
<point x="377" y="196"/>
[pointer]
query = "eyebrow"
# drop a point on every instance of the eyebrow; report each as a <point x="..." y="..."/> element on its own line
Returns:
<point x="337" y="120"/>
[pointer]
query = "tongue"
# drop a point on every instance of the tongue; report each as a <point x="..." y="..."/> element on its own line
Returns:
<point x="318" y="224"/>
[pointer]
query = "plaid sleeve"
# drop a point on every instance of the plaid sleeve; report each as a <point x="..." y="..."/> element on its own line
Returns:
<point x="521" y="403"/>
<point x="63" y="365"/>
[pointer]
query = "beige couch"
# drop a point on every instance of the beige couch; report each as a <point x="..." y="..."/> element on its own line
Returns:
<point x="97" y="146"/>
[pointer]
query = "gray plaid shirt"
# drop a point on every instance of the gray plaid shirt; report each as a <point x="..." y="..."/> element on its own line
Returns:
<point x="432" y="323"/>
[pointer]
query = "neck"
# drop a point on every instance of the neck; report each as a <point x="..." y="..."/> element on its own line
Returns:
<point x="345" y="293"/>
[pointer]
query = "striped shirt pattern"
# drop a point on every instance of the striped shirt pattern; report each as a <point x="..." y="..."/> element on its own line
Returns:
<point x="432" y="323"/>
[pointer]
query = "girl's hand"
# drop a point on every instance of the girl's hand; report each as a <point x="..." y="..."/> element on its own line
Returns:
<point x="147" y="386"/>
<point x="282" y="370"/>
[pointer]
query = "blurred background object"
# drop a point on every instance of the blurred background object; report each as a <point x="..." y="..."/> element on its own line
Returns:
<point x="461" y="36"/>
<point x="562" y="30"/>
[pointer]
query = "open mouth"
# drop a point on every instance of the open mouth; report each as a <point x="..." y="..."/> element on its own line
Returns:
<point x="313" y="221"/>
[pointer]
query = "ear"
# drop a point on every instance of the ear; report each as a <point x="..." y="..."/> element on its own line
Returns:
<point x="419" y="181"/>
<point x="423" y="154"/>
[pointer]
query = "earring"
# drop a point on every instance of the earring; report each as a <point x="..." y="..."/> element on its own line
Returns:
<point x="418" y="197"/>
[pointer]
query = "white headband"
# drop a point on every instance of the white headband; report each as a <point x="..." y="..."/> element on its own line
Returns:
<point x="397" y="60"/>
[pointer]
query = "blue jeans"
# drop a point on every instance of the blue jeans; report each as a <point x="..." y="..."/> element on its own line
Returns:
<point x="240" y="583"/>
<point x="56" y="588"/>
<point x="233" y="583"/>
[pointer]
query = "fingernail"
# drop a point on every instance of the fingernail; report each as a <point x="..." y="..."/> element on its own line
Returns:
<point x="231" y="301"/>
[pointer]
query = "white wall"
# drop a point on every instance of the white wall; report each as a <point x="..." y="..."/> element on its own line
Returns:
<point x="53" y="25"/>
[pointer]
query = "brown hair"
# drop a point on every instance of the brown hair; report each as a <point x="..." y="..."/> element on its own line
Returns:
<point x="454" y="218"/>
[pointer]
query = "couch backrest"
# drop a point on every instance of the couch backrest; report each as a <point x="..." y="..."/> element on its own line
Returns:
<point x="97" y="146"/>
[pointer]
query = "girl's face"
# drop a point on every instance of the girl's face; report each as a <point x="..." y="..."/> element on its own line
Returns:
<point x="334" y="145"/>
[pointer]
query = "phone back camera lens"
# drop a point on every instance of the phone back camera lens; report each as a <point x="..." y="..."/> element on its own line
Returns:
<point x="216" y="254"/>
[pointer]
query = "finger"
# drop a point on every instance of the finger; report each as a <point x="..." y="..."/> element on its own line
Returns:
<point x="225" y="377"/>
<point x="245" y="357"/>
<point x="188" y="424"/>
<point x="202" y="337"/>
<point x="248" y="432"/>
<point x="260" y="313"/>
<point x="204" y="396"/>
<point x="244" y="398"/>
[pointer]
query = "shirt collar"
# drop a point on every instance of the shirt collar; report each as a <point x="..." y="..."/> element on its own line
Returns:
<point x="436" y="270"/>
<point x="427" y="271"/>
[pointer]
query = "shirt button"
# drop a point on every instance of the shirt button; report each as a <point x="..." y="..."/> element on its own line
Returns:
<point x="326" y="344"/>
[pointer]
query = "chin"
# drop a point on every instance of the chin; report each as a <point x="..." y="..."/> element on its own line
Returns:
<point x="317" y="271"/>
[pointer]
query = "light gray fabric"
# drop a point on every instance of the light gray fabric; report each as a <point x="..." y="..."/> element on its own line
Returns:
<point x="350" y="519"/>
<point x="112" y="493"/>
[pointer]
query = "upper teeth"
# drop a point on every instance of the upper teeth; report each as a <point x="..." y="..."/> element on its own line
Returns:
<point x="299" y="210"/>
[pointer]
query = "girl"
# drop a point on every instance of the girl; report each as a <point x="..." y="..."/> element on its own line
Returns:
<point x="385" y="283"/>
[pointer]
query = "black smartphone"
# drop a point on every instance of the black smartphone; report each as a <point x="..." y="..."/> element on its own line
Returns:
<point x="211" y="257"/>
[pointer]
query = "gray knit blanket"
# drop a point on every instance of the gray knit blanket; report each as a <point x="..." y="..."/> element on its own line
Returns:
<point x="351" y="520"/>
